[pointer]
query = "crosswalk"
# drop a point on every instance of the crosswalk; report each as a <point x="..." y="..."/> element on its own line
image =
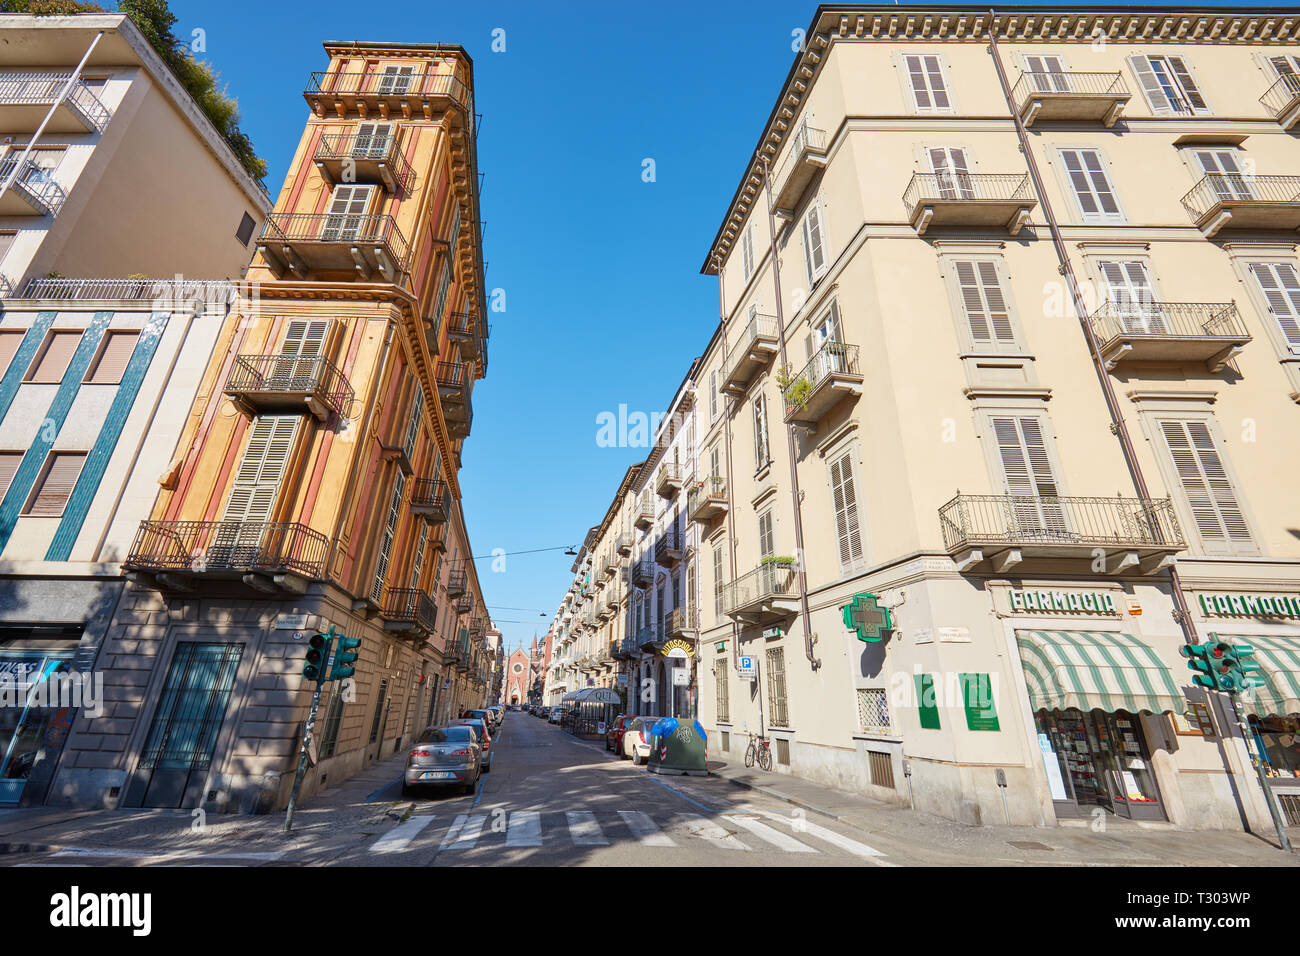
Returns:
<point x="744" y="830"/>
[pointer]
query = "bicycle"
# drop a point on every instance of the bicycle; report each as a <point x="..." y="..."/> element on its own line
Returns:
<point x="759" y="750"/>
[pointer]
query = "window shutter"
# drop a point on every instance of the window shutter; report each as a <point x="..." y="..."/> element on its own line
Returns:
<point x="1210" y="495"/>
<point x="347" y="210"/>
<point x="765" y="545"/>
<point x="262" y="468"/>
<point x="718" y="581"/>
<point x="814" y="252"/>
<point x="926" y="75"/>
<point x="418" y="567"/>
<point x="1281" y="288"/>
<point x="846" y="512"/>
<point x="304" y="339"/>
<point x="1091" y="186"/>
<point x="444" y="286"/>
<point x="713" y="395"/>
<point x="1155" y="94"/>
<point x="1185" y="80"/>
<point x="9" y="342"/>
<point x="747" y="250"/>
<point x="9" y="462"/>
<point x="54" y="360"/>
<point x="56" y="488"/>
<point x="1130" y="290"/>
<point x="986" y="306"/>
<point x="118" y="347"/>
<point x="386" y="541"/>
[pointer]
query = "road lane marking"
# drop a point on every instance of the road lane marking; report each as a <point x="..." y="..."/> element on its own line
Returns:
<point x="399" y="837"/>
<point x="774" y="837"/>
<point x="830" y="836"/>
<point x="644" y="829"/>
<point x="524" y="829"/>
<point x="464" y="832"/>
<point x="710" y="831"/>
<point x="584" y="830"/>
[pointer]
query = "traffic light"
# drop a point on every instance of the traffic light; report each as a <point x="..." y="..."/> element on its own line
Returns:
<point x="1239" y="670"/>
<point x="1203" y="665"/>
<point x="317" y="652"/>
<point x="345" y="658"/>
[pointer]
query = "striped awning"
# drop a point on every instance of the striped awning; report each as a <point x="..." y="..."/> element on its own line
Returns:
<point x="1089" y="670"/>
<point x="1279" y="659"/>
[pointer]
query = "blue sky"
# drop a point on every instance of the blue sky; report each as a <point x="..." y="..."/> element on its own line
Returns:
<point x="604" y="301"/>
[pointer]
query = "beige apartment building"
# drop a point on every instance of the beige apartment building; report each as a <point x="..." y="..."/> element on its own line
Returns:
<point x="1008" y="365"/>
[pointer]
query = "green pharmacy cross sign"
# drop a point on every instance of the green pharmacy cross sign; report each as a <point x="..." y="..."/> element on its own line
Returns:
<point x="865" y="615"/>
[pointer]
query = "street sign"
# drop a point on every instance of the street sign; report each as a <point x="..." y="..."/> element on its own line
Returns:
<point x="748" y="668"/>
<point x="681" y="676"/>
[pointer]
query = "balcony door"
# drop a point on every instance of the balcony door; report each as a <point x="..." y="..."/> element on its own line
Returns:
<point x="296" y="369"/>
<point x="826" y="332"/>
<point x="1281" y="287"/>
<point x="396" y="79"/>
<point x="242" y="534"/>
<point x="372" y="140"/>
<point x="1035" y="512"/>
<point x="952" y="172"/>
<point x="1128" y="289"/>
<point x="347" y="213"/>
<point x="1047" y="74"/>
<point x="1225" y="176"/>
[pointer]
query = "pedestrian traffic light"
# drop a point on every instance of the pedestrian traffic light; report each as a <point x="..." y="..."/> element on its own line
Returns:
<point x="1204" y="667"/>
<point x="317" y="651"/>
<point x="345" y="658"/>
<point x="1239" y="671"/>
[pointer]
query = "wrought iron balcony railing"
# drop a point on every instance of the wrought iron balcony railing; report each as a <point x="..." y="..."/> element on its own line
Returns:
<point x="754" y="348"/>
<point x="465" y="603"/>
<point x="1070" y="96"/>
<point x="806" y="155"/>
<point x="644" y="513"/>
<point x="969" y="199"/>
<point x="668" y="549"/>
<point x="213" y="294"/>
<point x="456" y="581"/>
<point x="461" y="326"/>
<point x="1283" y="96"/>
<point x="1238" y="200"/>
<point x="623" y="543"/>
<point x="1020" y="520"/>
<point x="369" y="157"/>
<point x="40" y="88"/>
<point x="830" y="375"/>
<point x="303" y="229"/>
<point x="6" y="287"/>
<point x="706" y="499"/>
<point x="762" y="590"/>
<point x="681" y="621"/>
<point x="409" y="609"/>
<point x="279" y="381"/>
<point x="649" y="637"/>
<point x="1211" y="332"/>
<point x="34" y="191"/>
<point x="669" y="480"/>
<point x="643" y="573"/>
<point x="322" y="86"/>
<point x="216" y="547"/>
<point x="430" y="497"/>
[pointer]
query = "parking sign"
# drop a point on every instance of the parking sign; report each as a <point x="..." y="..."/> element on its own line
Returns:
<point x="748" y="669"/>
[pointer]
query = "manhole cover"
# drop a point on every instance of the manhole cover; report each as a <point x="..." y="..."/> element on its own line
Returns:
<point x="1029" y="845"/>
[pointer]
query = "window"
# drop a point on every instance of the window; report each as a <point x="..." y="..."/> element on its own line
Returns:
<point x="333" y="718"/>
<point x="1128" y="288"/>
<point x="347" y="213"/>
<point x="845" y="500"/>
<point x="1281" y="288"/>
<point x="388" y="536"/>
<point x="713" y="395"/>
<point x="1028" y="475"/>
<point x="715" y="464"/>
<point x="747" y="250"/>
<point x="9" y="342"/>
<point x="55" y="484"/>
<point x="1092" y="189"/>
<point x="245" y="230"/>
<point x="372" y="140"/>
<point x="814" y="247"/>
<point x="53" y="358"/>
<point x="413" y="426"/>
<point x="380" y="718"/>
<point x="9" y="462"/>
<point x="1168" y="84"/>
<point x="396" y="79"/>
<point x="1207" y="488"/>
<point x="951" y="172"/>
<point x="1047" y="74"/>
<point x="6" y="240"/>
<point x="762" y="453"/>
<point x="444" y="286"/>
<point x="766" y="548"/>
<point x="718" y="581"/>
<point x="776" y="703"/>
<point x="1220" y="167"/>
<point x="724" y="708"/>
<point x="261" y="470"/>
<point x="191" y="707"/>
<point x="987" y="314"/>
<point x="418" y="566"/>
<point x="113" y="356"/>
<point x="873" y="710"/>
<point x="925" y="73"/>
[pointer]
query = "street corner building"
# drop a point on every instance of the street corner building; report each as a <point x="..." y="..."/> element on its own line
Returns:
<point x="310" y="482"/>
<point x="998" y="416"/>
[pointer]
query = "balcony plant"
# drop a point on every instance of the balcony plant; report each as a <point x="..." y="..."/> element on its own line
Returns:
<point x="795" y="389"/>
<point x="784" y="560"/>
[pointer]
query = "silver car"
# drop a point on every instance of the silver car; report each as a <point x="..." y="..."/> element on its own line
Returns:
<point x="444" y="756"/>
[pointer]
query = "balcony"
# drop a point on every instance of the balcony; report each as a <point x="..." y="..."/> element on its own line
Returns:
<point x="1071" y="97"/>
<point x="456" y="581"/>
<point x="620" y="650"/>
<point x="1282" y="100"/>
<point x="477" y="627"/>
<point x="269" y="556"/>
<point x="409" y="612"/>
<point x="33" y="193"/>
<point x="668" y="550"/>
<point x="981" y="200"/>
<point x="1012" y="533"/>
<point x="681" y="622"/>
<point x="644" y="515"/>
<point x="27" y="96"/>
<point x="757" y="344"/>
<point x="6" y="287"/>
<point x="707" y="499"/>
<point x="462" y="327"/>
<point x="388" y="94"/>
<point x="643" y="573"/>
<point x="1238" y="201"/>
<point x="309" y="243"/>
<point x="831" y="375"/>
<point x="1174" y="332"/>
<point x="623" y="543"/>
<point x="430" y="499"/>
<point x="608" y="564"/>
<point x="464" y="603"/>
<point x="669" y="481"/>
<point x="347" y="157"/>
<point x="281" y="383"/>
<point x="806" y="158"/>
<point x="649" y="639"/>
<point x="769" y="592"/>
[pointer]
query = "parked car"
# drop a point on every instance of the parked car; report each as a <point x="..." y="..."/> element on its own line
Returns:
<point x="555" y="716"/>
<point x="443" y="756"/>
<point x="636" y="739"/>
<point x="486" y="715"/>
<point x="614" y="732"/>
<point x="485" y="739"/>
<point x="498" y="714"/>
<point x="539" y="712"/>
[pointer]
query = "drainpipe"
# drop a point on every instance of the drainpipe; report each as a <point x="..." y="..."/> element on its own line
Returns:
<point x="796" y="497"/>
<point x="58" y="100"/>
<point x="1117" y="424"/>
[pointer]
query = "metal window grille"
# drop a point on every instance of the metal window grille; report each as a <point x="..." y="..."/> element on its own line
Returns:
<point x="882" y="769"/>
<point x="1290" y="804"/>
<point x="726" y="742"/>
<point x="379" y="710"/>
<point x="873" y="710"/>
<point x="724" y="709"/>
<point x="333" y="717"/>
<point x="192" y="707"/>
<point x="776" y="706"/>
<point x="783" y="751"/>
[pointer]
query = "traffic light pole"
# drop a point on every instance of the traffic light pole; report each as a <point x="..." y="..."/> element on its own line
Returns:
<point x="1283" y="840"/>
<point x="306" y="735"/>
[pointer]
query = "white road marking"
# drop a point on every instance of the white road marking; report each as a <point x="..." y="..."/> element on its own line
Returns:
<point x="644" y="829"/>
<point x="464" y="832"/>
<point x="774" y="837"/>
<point x="525" y="828"/>
<point x="710" y="831"/>
<point x="399" y="837"/>
<point x="830" y="836"/>
<point x="584" y="830"/>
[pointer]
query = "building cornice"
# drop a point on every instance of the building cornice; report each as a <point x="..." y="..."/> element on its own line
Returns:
<point x="834" y="23"/>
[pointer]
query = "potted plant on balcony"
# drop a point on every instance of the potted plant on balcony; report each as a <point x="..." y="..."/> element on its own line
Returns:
<point x="784" y="560"/>
<point x="795" y="389"/>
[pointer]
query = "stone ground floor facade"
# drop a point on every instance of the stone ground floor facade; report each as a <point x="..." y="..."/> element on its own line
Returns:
<point x="204" y="703"/>
<point x="1030" y="700"/>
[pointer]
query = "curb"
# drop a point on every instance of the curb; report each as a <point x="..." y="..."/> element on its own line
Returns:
<point x="794" y="801"/>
